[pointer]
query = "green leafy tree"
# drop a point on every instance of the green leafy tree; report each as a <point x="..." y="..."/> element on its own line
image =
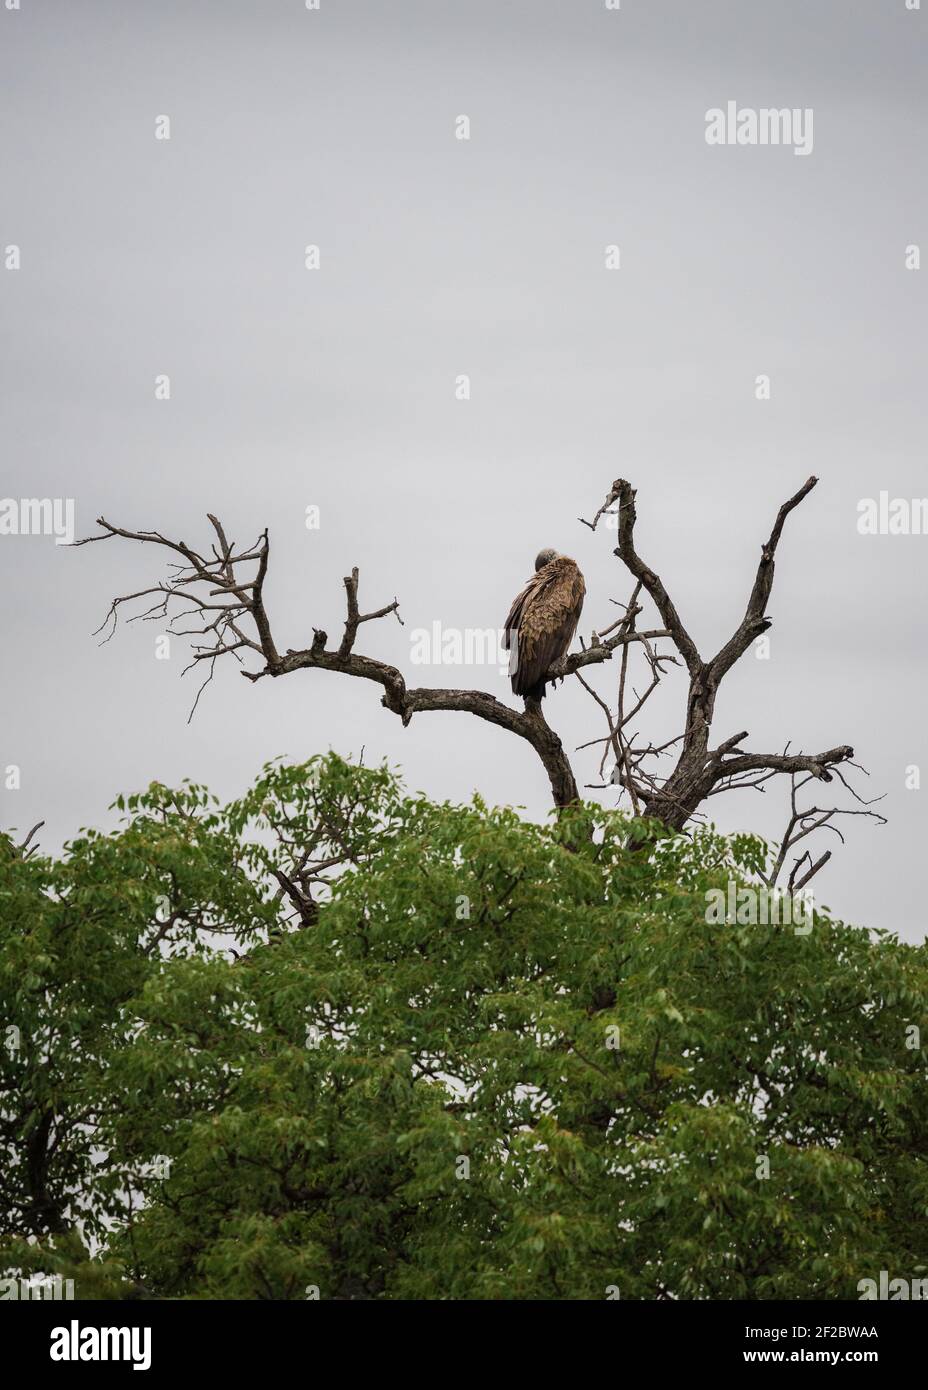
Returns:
<point x="333" y="1039"/>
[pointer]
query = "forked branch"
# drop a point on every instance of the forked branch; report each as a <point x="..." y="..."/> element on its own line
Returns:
<point x="701" y="771"/>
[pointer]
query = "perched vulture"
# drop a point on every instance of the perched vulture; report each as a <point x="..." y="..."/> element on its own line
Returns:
<point x="542" y="622"/>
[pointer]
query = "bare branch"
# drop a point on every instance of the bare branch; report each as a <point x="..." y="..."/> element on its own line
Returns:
<point x="755" y="620"/>
<point x="355" y="617"/>
<point x="803" y="822"/>
<point x="624" y="493"/>
<point x="26" y="849"/>
<point x="223" y="633"/>
<point x="818" y="764"/>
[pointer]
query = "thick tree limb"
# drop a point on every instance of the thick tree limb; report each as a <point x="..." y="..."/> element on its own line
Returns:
<point x="624" y="493"/>
<point x="240" y="624"/>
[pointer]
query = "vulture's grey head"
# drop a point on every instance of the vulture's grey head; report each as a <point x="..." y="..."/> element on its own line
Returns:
<point x="544" y="557"/>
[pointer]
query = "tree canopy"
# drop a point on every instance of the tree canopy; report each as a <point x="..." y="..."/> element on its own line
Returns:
<point x="336" y="1040"/>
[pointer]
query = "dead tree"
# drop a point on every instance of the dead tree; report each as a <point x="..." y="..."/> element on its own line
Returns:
<point x="221" y="592"/>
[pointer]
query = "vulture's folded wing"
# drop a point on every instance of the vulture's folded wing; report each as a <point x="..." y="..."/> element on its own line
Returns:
<point x="515" y="613"/>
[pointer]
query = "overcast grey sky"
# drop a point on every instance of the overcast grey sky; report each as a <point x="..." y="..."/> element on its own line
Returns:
<point x="485" y="257"/>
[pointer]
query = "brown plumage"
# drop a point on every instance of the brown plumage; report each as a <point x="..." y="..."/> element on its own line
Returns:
<point x="542" y="622"/>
